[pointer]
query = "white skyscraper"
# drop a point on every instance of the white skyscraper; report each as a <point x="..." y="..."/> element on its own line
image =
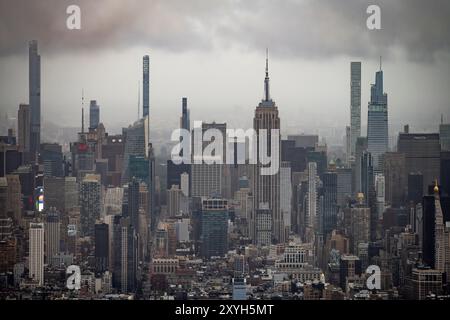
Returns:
<point x="36" y="252"/>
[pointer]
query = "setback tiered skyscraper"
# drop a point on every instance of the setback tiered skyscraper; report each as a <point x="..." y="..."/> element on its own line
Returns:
<point x="355" y="105"/>
<point x="34" y="78"/>
<point x="267" y="187"/>
<point x="377" y="123"/>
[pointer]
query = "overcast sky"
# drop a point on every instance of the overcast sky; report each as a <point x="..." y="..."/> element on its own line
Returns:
<point x="213" y="52"/>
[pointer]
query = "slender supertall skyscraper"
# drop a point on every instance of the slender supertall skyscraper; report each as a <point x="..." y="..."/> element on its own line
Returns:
<point x="146" y="86"/>
<point x="267" y="187"/>
<point x="355" y="105"/>
<point x="34" y="78"/>
<point x="377" y="123"/>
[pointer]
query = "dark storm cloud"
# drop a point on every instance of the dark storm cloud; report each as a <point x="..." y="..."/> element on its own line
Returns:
<point x="306" y="28"/>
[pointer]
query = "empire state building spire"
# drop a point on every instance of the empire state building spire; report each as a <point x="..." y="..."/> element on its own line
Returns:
<point x="266" y="80"/>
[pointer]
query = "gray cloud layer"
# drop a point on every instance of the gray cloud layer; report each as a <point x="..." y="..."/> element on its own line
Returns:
<point x="307" y="28"/>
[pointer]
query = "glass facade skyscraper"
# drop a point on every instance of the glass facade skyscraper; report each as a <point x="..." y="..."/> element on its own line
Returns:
<point x="377" y="123"/>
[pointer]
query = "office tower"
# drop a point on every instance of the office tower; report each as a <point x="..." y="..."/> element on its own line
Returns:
<point x="367" y="178"/>
<point x="304" y="140"/>
<point x="348" y="145"/>
<point x="444" y="136"/>
<point x="70" y="193"/>
<point x="344" y="186"/>
<point x="101" y="247"/>
<point x="153" y="186"/>
<point x="113" y="201"/>
<point x="113" y="150"/>
<point x="377" y="123"/>
<point x="138" y="167"/>
<point x="422" y="154"/>
<point x="34" y="78"/>
<point x="174" y="201"/>
<point x="161" y="241"/>
<point x="214" y="227"/>
<point x="174" y="172"/>
<point x="415" y="188"/>
<point x="395" y="176"/>
<point x="311" y="215"/>
<point x="239" y="289"/>
<point x="349" y="268"/>
<point x="14" y="199"/>
<point x="360" y="148"/>
<point x="36" y="253"/>
<point x="355" y="104"/>
<point x="184" y="183"/>
<point x="380" y="191"/>
<point x="101" y="168"/>
<point x="286" y="196"/>
<point x="424" y="282"/>
<point x="136" y="144"/>
<point x="5" y="225"/>
<point x="133" y="203"/>
<point x="185" y="122"/>
<point x="330" y="207"/>
<point x="146" y="85"/>
<point x="90" y="203"/>
<point x="445" y="172"/>
<point x="319" y="156"/>
<point x="52" y="235"/>
<point x="94" y="114"/>
<point x="24" y="129"/>
<point x="434" y="220"/>
<point x="295" y="155"/>
<point x="182" y="230"/>
<point x="263" y="226"/>
<point x="127" y="255"/>
<point x="10" y="158"/>
<point x="266" y="188"/>
<point x="27" y="175"/>
<point x="52" y="157"/>
<point x="357" y="222"/>
<point x="208" y="179"/>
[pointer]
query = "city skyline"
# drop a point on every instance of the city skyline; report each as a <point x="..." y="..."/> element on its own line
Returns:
<point x="305" y="69"/>
<point x="346" y="197"/>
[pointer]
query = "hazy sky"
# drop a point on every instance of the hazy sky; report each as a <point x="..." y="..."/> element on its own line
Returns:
<point x="213" y="52"/>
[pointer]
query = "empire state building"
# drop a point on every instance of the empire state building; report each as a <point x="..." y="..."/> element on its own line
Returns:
<point x="266" y="188"/>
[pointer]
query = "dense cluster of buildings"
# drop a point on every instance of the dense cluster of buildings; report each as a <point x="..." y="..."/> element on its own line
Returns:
<point x="142" y="228"/>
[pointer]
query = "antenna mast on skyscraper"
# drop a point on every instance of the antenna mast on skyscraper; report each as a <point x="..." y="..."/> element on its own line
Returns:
<point x="380" y="63"/>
